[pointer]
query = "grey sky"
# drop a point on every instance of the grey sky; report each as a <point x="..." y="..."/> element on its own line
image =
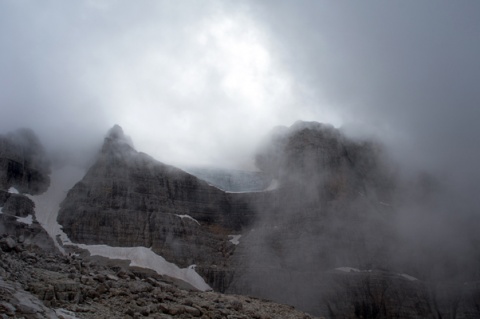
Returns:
<point x="202" y="81"/>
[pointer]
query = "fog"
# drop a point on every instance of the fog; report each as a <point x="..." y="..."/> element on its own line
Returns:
<point x="200" y="83"/>
<point x="203" y="83"/>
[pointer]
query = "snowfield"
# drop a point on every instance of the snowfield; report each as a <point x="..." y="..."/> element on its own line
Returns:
<point x="146" y="258"/>
<point x="47" y="206"/>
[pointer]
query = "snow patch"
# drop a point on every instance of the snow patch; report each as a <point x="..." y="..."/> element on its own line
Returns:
<point x="146" y="258"/>
<point x="235" y="239"/>
<point x="26" y="220"/>
<point x="47" y="204"/>
<point x="13" y="190"/>
<point x="273" y="185"/>
<point x="188" y="217"/>
<point x="348" y="269"/>
<point x="408" y="277"/>
<point x="63" y="313"/>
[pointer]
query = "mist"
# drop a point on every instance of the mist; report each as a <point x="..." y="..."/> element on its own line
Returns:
<point x="204" y="83"/>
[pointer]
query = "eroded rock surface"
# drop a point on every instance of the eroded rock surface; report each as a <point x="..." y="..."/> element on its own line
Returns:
<point x="23" y="163"/>
<point x="128" y="199"/>
<point x="36" y="284"/>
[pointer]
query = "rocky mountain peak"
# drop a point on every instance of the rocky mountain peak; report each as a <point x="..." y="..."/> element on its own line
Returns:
<point x="116" y="133"/>
<point x="117" y="142"/>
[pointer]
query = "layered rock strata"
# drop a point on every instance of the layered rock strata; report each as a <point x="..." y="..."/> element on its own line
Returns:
<point x="128" y="199"/>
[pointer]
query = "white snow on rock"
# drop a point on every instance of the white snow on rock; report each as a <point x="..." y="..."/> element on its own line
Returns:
<point x="26" y="220"/>
<point x="347" y="269"/>
<point x="63" y="313"/>
<point x="13" y="190"/>
<point x="47" y="206"/>
<point x="188" y="217"/>
<point x="408" y="277"/>
<point x="273" y="185"/>
<point x="234" y="239"/>
<point x="146" y="258"/>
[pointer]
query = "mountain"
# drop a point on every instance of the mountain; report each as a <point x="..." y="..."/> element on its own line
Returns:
<point x="231" y="180"/>
<point x="327" y="239"/>
<point x="128" y="199"/>
<point x="38" y="281"/>
<point x="338" y="232"/>
<point x="24" y="169"/>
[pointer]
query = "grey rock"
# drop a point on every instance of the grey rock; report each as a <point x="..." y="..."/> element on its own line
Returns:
<point x="23" y="163"/>
<point x="128" y="199"/>
<point x="16" y="204"/>
<point x="7" y="244"/>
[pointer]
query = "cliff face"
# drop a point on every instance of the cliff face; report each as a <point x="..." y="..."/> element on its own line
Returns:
<point x="335" y="207"/>
<point x="23" y="163"/>
<point x="24" y="169"/>
<point x="129" y="199"/>
<point x="332" y="207"/>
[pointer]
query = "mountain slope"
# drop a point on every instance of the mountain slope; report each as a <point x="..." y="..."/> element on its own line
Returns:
<point x="128" y="199"/>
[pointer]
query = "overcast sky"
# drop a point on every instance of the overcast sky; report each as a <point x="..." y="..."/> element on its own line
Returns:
<point x="202" y="81"/>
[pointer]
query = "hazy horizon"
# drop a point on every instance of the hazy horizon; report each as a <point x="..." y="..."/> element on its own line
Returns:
<point x="202" y="83"/>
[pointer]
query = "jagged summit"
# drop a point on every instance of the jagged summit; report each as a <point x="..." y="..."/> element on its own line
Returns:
<point x="117" y="141"/>
<point x="116" y="132"/>
<point x="312" y="125"/>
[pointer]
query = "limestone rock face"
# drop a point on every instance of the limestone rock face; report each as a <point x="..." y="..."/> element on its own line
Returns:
<point x="16" y="204"/>
<point x="23" y="163"/>
<point x="129" y="199"/>
<point x="232" y="180"/>
<point x="25" y="167"/>
<point x="331" y="209"/>
<point x="380" y="294"/>
<point x="331" y="205"/>
<point x="36" y="284"/>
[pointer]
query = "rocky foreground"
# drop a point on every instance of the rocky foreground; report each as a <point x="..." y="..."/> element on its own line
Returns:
<point x="39" y="284"/>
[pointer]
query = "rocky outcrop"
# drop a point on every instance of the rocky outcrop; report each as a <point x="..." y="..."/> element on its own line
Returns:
<point x="23" y="163"/>
<point x="16" y="204"/>
<point x="382" y="294"/>
<point x="24" y="169"/>
<point x="232" y="180"/>
<point x="36" y="284"/>
<point x="128" y="199"/>
<point x="333" y="206"/>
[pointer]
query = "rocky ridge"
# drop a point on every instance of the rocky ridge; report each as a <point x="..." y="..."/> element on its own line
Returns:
<point x="39" y="284"/>
<point x="302" y="242"/>
<point x="127" y="199"/>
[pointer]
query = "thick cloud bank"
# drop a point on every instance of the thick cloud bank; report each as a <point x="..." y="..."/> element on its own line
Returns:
<point x="198" y="83"/>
